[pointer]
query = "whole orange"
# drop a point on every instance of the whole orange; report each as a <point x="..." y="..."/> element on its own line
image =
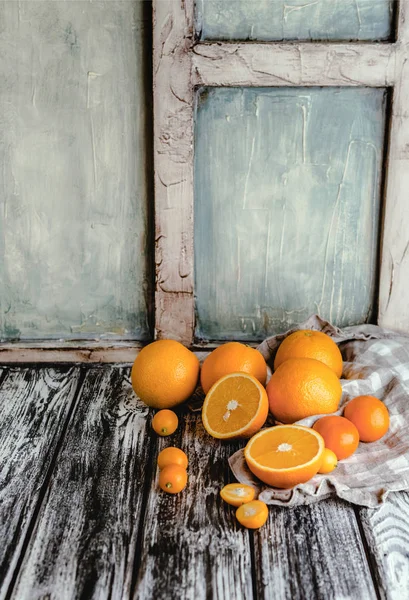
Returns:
<point x="369" y="415"/>
<point x="340" y="435"/>
<point x="302" y="387"/>
<point x="165" y="374"/>
<point x="310" y="344"/>
<point x="232" y="357"/>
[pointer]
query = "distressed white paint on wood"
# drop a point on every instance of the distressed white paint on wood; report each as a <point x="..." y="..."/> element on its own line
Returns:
<point x="34" y="406"/>
<point x="394" y="281"/>
<point x="294" y="19"/>
<point x="313" y="552"/>
<point x="85" y="541"/>
<point x="287" y="201"/>
<point x="224" y="64"/>
<point x="387" y="534"/>
<point x="192" y="545"/>
<point x="173" y="159"/>
<point x="74" y="351"/>
<point x="74" y="164"/>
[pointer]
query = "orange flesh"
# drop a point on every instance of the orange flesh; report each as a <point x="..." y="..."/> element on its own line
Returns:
<point x="237" y="493"/>
<point x="233" y="404"/>
<point x="284" y="450"/>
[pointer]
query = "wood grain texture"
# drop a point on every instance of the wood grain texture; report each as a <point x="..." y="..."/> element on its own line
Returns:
<point x="393" y="305"/>
<point x="287" y="204"/>
<point x="387" y="536"/>
<point x="75" y="170"/>
<point x="298" y="64"/>
<point x="312" y="552"/>
<point x="294" y="19"/>
<point x="173" y="161"/>
<point x="84" y="542"/>
<point x="66" y="352"/>
<point x="192" y="545"/>
<point x="34" y="405"/>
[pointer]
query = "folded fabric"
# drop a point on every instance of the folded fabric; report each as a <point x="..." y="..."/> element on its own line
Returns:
<point x="376" y="362"/>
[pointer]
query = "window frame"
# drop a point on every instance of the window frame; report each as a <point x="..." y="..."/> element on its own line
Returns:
<point x="181" y="64"/>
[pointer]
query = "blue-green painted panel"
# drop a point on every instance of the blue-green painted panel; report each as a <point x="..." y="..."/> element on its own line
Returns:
<point x="287" y="205"/>
<point x="294" y="19"/>
<point x="74" y="170"/>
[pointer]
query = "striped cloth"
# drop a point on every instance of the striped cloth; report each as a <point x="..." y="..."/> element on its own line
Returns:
<point x="376" y="362"/>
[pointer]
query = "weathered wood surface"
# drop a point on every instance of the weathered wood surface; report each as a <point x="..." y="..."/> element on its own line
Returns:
<point x="192" y="545"/>
<point x="312" y="552"/>
<point x="75" y="170"/>
<point x="299" y="64"/>
<point x="294" y="20"/>
<point x="69" y="352"/>
<point x="393" y="304"/>
<point x="387" y="539"/>
<point x="85" y="542"/>
<point x="173" y="160"/>
<point x="82" y="516"/>
<point x="268" y="162"/>
<point x="34" y="407"/>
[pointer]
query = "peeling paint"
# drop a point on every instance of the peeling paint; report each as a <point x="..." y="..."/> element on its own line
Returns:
<point x="73" y="223"/>
<point x="305" y="238"/>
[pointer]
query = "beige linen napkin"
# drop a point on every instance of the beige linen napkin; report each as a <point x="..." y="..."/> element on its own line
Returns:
<point x="376" y="362"/>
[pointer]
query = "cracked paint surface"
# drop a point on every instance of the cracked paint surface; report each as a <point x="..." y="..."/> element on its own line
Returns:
<point x="265" y="20"/>
<point x="287" y="207"/>
<point x="73" y="191"/>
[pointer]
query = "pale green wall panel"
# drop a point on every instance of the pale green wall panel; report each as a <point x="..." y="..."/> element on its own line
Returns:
<point x="294" y="19"/>
<point x="74" y="170"/>
<point x="287" y="207"/>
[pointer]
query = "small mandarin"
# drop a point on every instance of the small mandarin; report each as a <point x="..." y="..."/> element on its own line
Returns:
<point x="237" y="494"/>
<point x="370" y="416"/>
<point x="165" y="422"/>
<point x="329" y="461"/>
<point x="172" y="456"/>
<point x="173" y="479"/>
<point x="340" y="435"/>
<point x="252" y="514"/>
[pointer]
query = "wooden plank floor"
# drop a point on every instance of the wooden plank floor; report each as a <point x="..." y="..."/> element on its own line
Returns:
<point x="81" y="516"/>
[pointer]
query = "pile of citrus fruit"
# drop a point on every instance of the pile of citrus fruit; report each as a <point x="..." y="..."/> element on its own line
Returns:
<point x="305" y="382"/>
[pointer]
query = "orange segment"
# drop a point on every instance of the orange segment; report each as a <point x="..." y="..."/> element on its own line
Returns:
<point x="235" y="406"/>
<point x="285" y="455"/>
<point x="237" y="494"/>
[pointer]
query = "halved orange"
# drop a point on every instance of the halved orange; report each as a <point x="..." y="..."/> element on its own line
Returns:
<point x="252" y="514"/>
<point x="285" y="455"/>
<point x="235" y="406"/>
<point x="237" y="494"/>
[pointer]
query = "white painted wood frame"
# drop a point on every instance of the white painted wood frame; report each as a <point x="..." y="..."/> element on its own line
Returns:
<point x="181" y="64"/>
